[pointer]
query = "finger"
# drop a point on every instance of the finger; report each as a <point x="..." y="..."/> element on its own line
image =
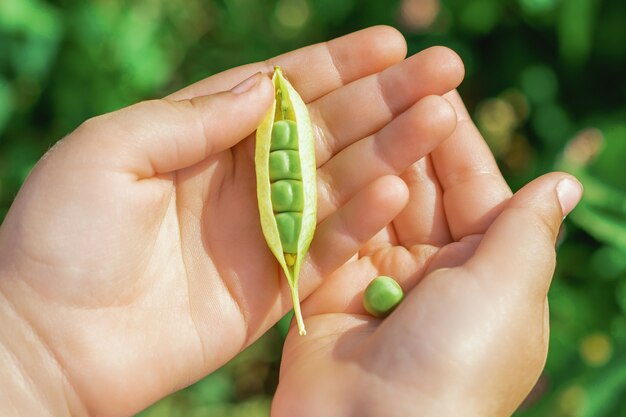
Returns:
<point x="384" y="239"/>
<point x="454" y="254"/>
<point x="392" y="150"/>
<point x="363" y="107"/>
<point x="423" y="220"/>
<point x="518" y="250"/>
<point x="317" y="69"/>
<point x="343" y="233"/>
<point x="474" y="190"/>
<point x="161" y="136"/>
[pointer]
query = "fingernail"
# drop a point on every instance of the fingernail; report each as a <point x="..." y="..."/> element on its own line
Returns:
<point x="247" y="84"/>
<point x="569" y="191"/>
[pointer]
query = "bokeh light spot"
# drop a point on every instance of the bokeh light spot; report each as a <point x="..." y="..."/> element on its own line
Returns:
<point x="572" y="401"/>
<point x="537" y="6"/>
<point x="539" y="83"/>
<point x="596" y="349"/>
<point x="496" y="119"/>
<point x="551" y="123"/>
<point x="608" y="262"/>
<point x="419" y="15"/>
<point x="584" y="147"/>
<point x="292" y="14"/>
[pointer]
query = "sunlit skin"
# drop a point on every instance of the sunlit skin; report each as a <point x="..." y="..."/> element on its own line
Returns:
<point x="472" y="333"/>
<point x="132" y="262"/>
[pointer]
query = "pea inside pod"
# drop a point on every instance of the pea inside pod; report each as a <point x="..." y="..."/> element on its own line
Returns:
<point x="286" y="188"/>
<point x="382" y="296"/>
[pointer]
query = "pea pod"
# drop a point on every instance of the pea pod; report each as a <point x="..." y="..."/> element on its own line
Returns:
<point x="286" y="186"/>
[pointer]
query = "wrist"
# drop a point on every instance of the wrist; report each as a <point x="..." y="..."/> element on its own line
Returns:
<point x="31" y="381"/>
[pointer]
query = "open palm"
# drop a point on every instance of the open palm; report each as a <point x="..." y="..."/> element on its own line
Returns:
<point x="134" y="250"/>
<point x="471" y="336"/>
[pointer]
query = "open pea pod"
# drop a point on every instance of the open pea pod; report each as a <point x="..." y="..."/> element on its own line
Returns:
<point x="286" y="186"/>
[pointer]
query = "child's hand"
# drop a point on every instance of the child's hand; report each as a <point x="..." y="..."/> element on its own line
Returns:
<point x="471" y="336"/>
<point x="132" y="262"/>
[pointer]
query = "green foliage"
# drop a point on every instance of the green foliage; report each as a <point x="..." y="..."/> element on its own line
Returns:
<point x="544" y="84"/>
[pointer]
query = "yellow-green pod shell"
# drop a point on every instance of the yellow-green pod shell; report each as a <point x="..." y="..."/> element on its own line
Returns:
<point x="286" y="185"/>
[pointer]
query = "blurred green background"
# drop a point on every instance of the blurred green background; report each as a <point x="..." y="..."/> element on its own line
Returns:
<point x="544" y="84"/>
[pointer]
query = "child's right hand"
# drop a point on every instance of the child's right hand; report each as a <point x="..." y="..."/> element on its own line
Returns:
<point x="470" y="339"/>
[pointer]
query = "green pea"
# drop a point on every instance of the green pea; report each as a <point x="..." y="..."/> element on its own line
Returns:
<point x="382" y="296"/>
<point x="289" y="230"/>
<point x="286" y="186"/>
<point x="284" y="165"/>
<point x="287" y="195"/>
<point x="284" y="135"/>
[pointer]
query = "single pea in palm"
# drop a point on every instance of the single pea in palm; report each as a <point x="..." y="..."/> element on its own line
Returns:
<point x="134" y="249"/>
<point x="470" y="336"/>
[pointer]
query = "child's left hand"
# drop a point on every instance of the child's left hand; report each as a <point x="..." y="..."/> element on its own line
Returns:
<point x="132" y="261"/>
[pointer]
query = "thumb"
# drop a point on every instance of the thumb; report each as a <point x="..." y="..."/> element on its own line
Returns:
<point x="159" y="136"/>
<point x="519" y="246"/>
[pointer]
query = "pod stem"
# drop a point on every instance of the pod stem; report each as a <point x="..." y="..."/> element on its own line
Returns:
<point x="296" y="309"/>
